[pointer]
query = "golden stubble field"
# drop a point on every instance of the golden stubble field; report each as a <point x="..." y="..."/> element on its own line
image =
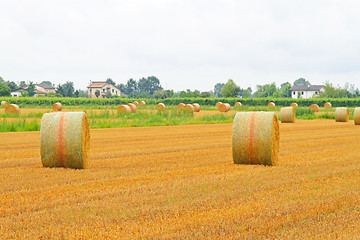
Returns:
<point x="180" y="183"/>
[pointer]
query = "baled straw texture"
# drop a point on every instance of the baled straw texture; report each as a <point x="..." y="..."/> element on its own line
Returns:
<point x="314" y="107"/>
<point x="271" y="105"/>
<point x="57" y="106"/>
<point x="132" y="107"/>
<point x="180" y="106"/>
<point x="294" y="105"/>
<point x="124" y="109"/>
<point x="160" y="106"/>
<point x="65" y="140"/>
<point x="327" y="105"/>
<point x="4" y="103"/>
<point x="136" y="103"/>
<point x="238" y="104"/>
<point x="12" y="108"/>
<point x="189" y="107"/>
<point x="287" y="115"/>
<point x="218" y="104"/>
<point x="357" y="116"/>
<point x="341" y="114"/>
<point x="224" y="107"/>
<point x="255" y="138"/>
<point x="142" y="103"/>
<point x="196" y="107"/>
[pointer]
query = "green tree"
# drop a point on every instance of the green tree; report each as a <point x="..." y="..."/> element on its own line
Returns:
<point x="301" y="81"/>
<point x="46" y="82"/>
<point x="266" y="90"/>
<point x="4" y="90"/>
<point x="131" y="88"/>
<point x="110" y="81"/>
<point x="12" y="85"/>
<point x="246" y="93"/>
<point x="31" y="89"/>
<point x="22" y="84"/>
<point x="217" y="89"/>
<point x="230" y="89"/>
<point x="285" y="90"/>
<point x="97" y="93"/>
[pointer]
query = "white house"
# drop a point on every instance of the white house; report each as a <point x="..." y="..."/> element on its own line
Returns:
<point x="103" y="88"/>
<point x="40" y="89"/>
<point x="306" y="91"/>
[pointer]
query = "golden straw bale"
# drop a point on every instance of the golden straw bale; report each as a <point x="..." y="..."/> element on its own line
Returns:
<point x="12" y="108"/>
<point x="224" y="107"/>
<point x="124" y="109"/>
<point x="287" y="115"/>
<point x="142" y="103"/>
<point x="196" y="107"/>
<point x="357" y="116"/>
<point x="65" y="140"/>
<point x="294" y="105"/>
<point x="238" y="104"/>
<point x="255" y="138"/>
<point x="271" y="105"/>
<point x="136" y="103"/>
<point x="189" y="107"/>
<point x="341" y="114"/>
<point x="218" y="104"/>
<point x="132" y="107"/>
<point x="4" y="103"/>
<point x="314" y="107"/>
<point x="180" y="106"/>
<point x="160" y="106"/>
<point x="327" y="105"/>
<point x="57" y="106"/>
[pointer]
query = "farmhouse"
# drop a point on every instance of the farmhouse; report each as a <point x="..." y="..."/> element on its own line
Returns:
<point x="306" y="91"/>
<point x="104" y="88"/>
<point x="40" y="89"/>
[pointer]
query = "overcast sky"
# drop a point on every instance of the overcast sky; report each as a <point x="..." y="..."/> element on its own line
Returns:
<point x="186" y="44"/>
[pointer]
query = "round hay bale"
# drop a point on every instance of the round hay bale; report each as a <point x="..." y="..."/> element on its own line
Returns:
<point x="341" y="114"/>
<point x="189" y="107"/>
<point x="357" y="116"/>
<point x="136" y="103"/>
<point x="196" y="107"/>
<point x="180" y="106"/>
<point x="238" y="104"/>
<point x="271" y="105"/>
<point x="132" y="107"/>
<point x="224" y="107"/>
<point x="294" y="105"/>
<point x="124" y="109"/>
<point x="287" y="115"/>
<point x="160" y="106"/>
<point x="142" y="103"/>
<point x="255" y="138"/>
<point x="218" y="104"/>
<point x="12" y="109"/>
<point x="4" y="103"/>
<point x="314" y="107"/>
<point x="65" y="140"/>
<point x="327" y="105"/>
<point x="57" y="107"/>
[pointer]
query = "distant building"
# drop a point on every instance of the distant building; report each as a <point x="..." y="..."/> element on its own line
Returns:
<point x="45" y="88"/>
<point x="40" y="89"/>
<point x="306" y="91"/>
<point x="103" y="88"/>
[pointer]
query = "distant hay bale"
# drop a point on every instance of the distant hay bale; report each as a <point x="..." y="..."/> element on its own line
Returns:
<point x="196" y="107"/>
<point x="218" y="104"/>
<point x="327" y="105"/>
<point x="160" y="106"/>
<point x="4" y="103"/>
<point x="124" y="109"/>
<point x="255" y="138"/>
<point x="238" y="104"/>
<point x="294" y="105"/>
<point x="65" y="140"/>
<point x="142" y="103"/>
<point x="271" y="105"/>
<point x="136" y="103"/>
<point x="132" y="107"/>
<point x="341" y="114"/>
<point x="357" y="116"/>
<point x="180" y="106"/>
<point x="189" y="107"/>
<point x="287" y="115"/>
<point x="57" y="107"/>
<point x="224" y="107"/>
<point x="12" y="109"/>
<point x="314" y="108"/>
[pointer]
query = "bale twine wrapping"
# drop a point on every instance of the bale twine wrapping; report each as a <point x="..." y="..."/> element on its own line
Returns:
<point x="189" y="107"/>
<point x="271" y="105"/>
<point x="196" y="107"/>
<point x="357" y="116"/>
<point x="218" y="104"/>
<point x="255" y="138"/>
<point x="124" y="109"/>
<point x="160" y="106"/>
<point x="327" y="105"/>
<point x="4" y="103"/>
<point x="238" y="104"/>
<point x="287" y="115"/>
<point x="314" y="107"/>
<point x="65" y="140"/>
<point x="12" y="108"/>
<point x="136" y="103"/>
<point x="341" y="114"/>
<point x="142" y="103"/>
<point x="132" y="107"/>
<point x="57" y="106"/>
<point x="224" y="107"/>
<point x="294" y="105"/>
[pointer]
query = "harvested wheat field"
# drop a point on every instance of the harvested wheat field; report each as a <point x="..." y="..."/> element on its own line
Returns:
<point x="180" y="182"/>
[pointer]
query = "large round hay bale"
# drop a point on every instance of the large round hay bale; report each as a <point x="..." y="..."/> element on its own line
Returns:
<point x="196" y="107"/>
<point x="136" y="103"/>
<point x="12" y="109"/>
<point x="65" y="140"/>
<point x="124" y="109"/>
<point x="341" y="114"/>
<point x="224" y="107"/>
<point x="132" y="107"/>
<point x="189" y="107"/>
<point x="327" y="105"/>
<point x="287" y="115"/>
<point x="271" y="105"/>
<point x="294" y="105"/>
<point x="357" y="116"/>
<point x="255" y="138"/>
<point x="160" y="106"/>
<point x="314" y="107"/>
<point x="218" y="104"/>
<point x="180" y="106"/>
<point x="142" y="103"/>
<point x="238" y="104"/>
<point x="4" y="103"/>
<point x="57" y="106"/>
